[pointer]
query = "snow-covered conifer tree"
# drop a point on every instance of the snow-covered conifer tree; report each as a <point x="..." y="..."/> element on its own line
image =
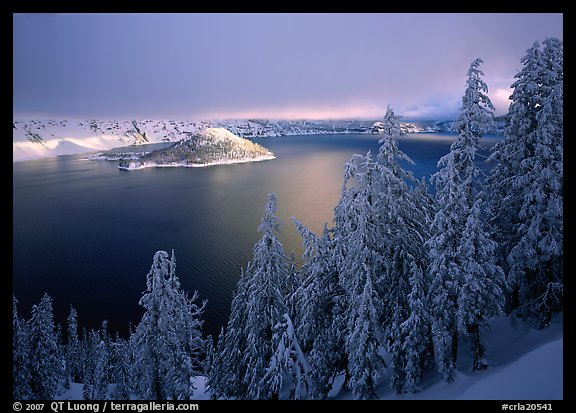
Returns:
<point x="526" y="185"/>
<point x="218" y="373"/>
<point x="359" y="260"/>
<point x="318" y="322"/>
<point x="20" y="356"/>
<point x="226" y="378"/>
<point x="73" y="349"/>
<point x="364" y="340"/>
<point x="168" y="340"/>
<point x="96" y="374"/>
<point x="404" y="216"/>
<point x="45" y="367"/>
<point x="258" y="306"/>
<point x="457" y="269"/>
<point x="288" y="373"/>
<point x="416" y="332"/>
<point x="100" y="376"/>
<point x="121" y="360"/>
<point x="482" y="290"/>
<point x="266" y="277"/>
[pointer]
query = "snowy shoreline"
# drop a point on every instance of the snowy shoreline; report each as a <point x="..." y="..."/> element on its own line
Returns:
<point x="43" y="138"/>
<point x="132" y="167"/>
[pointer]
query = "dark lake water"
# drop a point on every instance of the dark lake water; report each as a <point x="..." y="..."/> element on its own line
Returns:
<point x="85" y="232"/>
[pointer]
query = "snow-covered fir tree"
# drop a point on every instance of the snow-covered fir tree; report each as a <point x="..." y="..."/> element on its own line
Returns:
<point x="364" y="341"/>
<point x="87" y="361"/>
<point x="107" y="339"/>
<point x="20" y="356"/>
<point x="482" y="291"/>
<point x="94" y="384"/>
<point x="319" y="323"/>
<point x="73" y="349"/>
<point x="359" y="258"/>
<point x="100" y="376"/>
<point x="209" y="354"/>
<point x="526" y="185"/>
<point x="226" y="376"/>
<point x="168" y="340"/>
<point x="258" y="306"/>
<point x="404" y="217"/>
<point x="217" y="374"/>
<point x="288" y="374"/>
<point x="45" y="366"/>
<point x="61" y="355"/>
<point x="416" y="334"/>
<point x="461" y="274"/>
<point x="266" y="277"/>
<point x="120" y="361"/>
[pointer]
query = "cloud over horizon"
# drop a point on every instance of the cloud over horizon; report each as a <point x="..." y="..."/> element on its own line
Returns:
<point x="293" y="66"/>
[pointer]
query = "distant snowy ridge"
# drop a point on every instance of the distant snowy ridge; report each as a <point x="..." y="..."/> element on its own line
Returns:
<point x="43" y="138"/>
<point x="212" y="146"/>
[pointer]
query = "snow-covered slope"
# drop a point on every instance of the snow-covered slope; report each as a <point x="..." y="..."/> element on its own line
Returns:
<point x="545" y="366"/>
<point x="525" y="364"/>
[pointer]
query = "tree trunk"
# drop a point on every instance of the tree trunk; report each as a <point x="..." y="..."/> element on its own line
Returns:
<point x="454" y="346"/>
<point x="477" y="348"/>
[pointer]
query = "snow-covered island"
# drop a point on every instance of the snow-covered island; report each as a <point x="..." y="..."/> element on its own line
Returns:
<point x="211" y="146"/>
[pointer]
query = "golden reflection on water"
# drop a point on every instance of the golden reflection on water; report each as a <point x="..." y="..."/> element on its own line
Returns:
<point x="311" y="193"/>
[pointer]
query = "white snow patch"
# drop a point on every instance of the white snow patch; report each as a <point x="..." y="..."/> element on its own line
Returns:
<point x="534" y="376"/>
<point x="134" y="165"/>
<point x="526" y="364"/>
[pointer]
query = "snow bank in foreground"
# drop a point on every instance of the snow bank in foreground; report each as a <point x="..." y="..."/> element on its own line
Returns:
<point x="534" y="376"/>
<point x="525" y="364"/>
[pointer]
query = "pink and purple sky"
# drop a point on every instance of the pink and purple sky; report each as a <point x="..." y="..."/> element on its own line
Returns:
<point x="280" y="66"/>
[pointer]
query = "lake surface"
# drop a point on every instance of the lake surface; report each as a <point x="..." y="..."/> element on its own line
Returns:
<point x="85" y="232"/>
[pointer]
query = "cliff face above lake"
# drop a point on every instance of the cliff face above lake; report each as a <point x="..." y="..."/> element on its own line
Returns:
<point x="211" y="146"/>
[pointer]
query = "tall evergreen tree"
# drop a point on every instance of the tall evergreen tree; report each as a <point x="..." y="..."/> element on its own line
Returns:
<point x="120" y="361"/>
<point x="359" y="259"/>
<point x="217" y="374"/>
<point x="45" y="367"/>
<point x="168" y="339"/>
<point x="100" y="376"/>
<point x="458" y="271"/>
<point x="481" y="293"/>
<point x="364" y="340"/>
<point x="258" y="306"/>
<point x="526" y="185"/>
<point x="73" y="349"/>
<point x="21" y="374"/>
<point x="318" y="321"/>
<point x="87" y="361"/>
<point x="226" y="377"/>
<point x="266" y="282"/>
<point x="416" y="333"/>
<point x="404" y="216"/>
